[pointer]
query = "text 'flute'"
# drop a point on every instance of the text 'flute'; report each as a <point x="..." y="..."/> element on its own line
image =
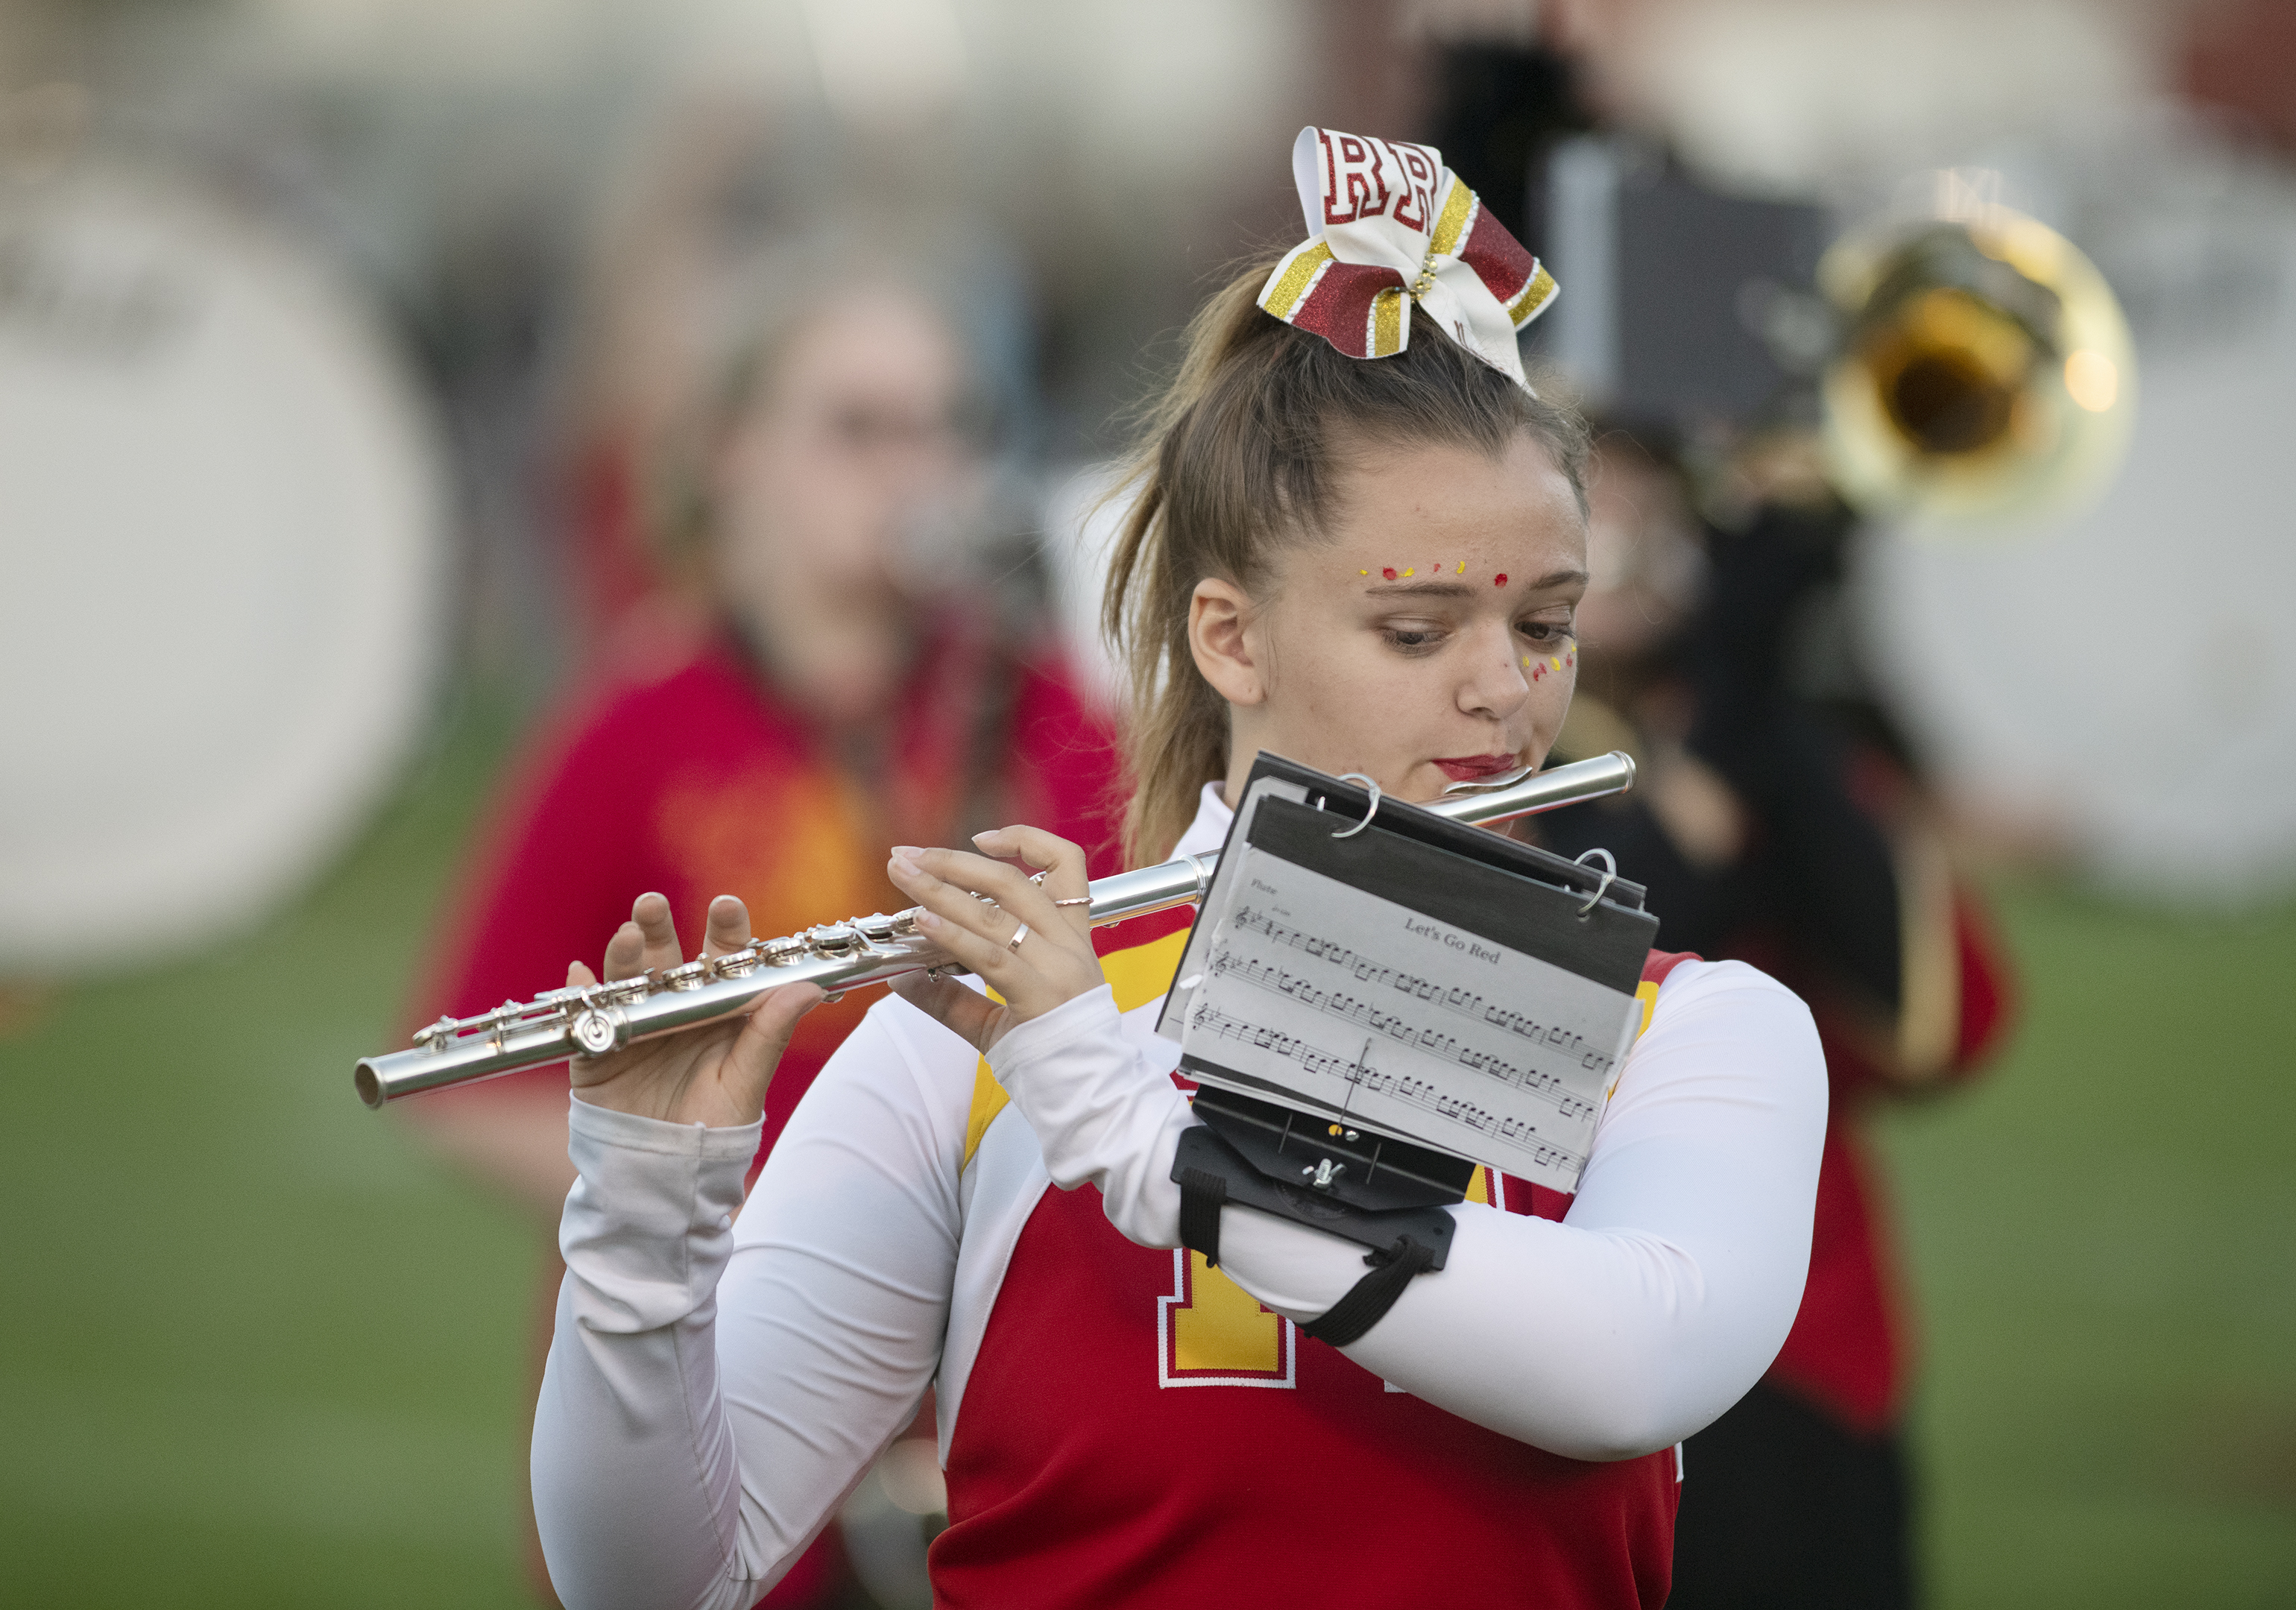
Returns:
<point x="593" y="1020"/>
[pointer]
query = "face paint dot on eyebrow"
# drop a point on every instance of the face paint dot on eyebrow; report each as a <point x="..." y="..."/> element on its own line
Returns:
<point x="1389" y="573"/>
<point x="1413" y="571"/>
<point x="1499" y="580"/>
<point x="1362" y="573"/>
<point x="1461" y="570"/>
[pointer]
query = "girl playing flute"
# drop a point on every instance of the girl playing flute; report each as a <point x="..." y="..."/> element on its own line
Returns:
<point x="1356" y="539"/>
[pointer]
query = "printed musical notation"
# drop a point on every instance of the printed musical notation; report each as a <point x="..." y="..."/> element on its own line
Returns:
<point x="1394" y="1026"/>
<point x="1360" y="1005"/>
<point x="1467" y="1003"/>
<point x="1541" y="1154"/>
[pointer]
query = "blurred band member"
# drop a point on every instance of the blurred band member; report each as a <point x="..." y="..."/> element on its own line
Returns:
<point x="829" y="678"/>
<point x="1784" y="828"/>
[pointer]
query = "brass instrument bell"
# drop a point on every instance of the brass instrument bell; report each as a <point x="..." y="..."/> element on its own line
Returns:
<point x="1985" y="370"/>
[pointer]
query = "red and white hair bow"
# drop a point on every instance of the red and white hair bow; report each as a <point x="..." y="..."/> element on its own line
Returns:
<point x="1389" y="226"/>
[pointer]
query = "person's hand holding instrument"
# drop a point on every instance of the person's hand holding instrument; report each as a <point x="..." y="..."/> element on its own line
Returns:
<point x="1033" y="946"/>
<point x="715" y="1076"/>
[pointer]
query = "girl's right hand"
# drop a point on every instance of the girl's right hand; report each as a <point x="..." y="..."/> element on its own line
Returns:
<point x="715" y="1076"/>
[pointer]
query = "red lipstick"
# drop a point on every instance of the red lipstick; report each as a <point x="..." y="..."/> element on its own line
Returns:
<point x="1468" y="767"/>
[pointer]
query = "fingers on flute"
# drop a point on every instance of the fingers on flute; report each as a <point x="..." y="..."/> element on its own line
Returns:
<point x="1008" y="886"/>
<point x="625" y="953"/>
<point x="966" y="1013"/>
<point x="729" y="928"/>
<point x="766" y="1032"/>
<point x="945" y="881"/>
<point x="650" y="916"/>
<point x="578" y="976"/>
<point x="1047" y="853"/>
<point x="973" y="933"/>
<point x="1060" y="863"/>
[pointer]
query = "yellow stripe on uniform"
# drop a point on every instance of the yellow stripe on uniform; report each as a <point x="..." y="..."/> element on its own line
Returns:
<point x="1646" y="997"/>
<point x="988" y="1100"/>
<point x="1135" y="976"/>
<point x="1293" y="279"/>
<point x="1145" y="972"/>
<point x="1646" y="992"/>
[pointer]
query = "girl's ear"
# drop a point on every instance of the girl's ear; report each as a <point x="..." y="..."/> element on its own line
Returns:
<point x="1216" y="636"/>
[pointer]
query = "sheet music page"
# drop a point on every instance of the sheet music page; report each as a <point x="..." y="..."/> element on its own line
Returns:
<point x="1356" y="1005"/>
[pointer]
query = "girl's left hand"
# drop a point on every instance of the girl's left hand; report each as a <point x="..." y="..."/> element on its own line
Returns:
<point x="1052" y="963"/>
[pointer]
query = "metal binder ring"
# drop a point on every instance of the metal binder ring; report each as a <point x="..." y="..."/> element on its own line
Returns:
<point x="1019" y="933"/>
<point x="1359" y="826"/>
<point x="1610" y="875"/>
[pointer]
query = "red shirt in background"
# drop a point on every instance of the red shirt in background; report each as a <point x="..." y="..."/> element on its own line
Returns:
<point x="697" y="781"/>
<point x="693" y="780"/>
<point x="1849" y="1350"/>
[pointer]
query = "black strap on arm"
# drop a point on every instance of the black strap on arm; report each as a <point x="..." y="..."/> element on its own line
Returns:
<point x="1404" y="1242"/>
<point x="1369" y="1299"/>
<point x="1202" y="1195"/>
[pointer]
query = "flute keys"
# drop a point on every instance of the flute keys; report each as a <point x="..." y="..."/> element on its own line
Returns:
<point x="593" y="1034"/>
<point x="833" y="939"/>
<point x="499" y="1021"/>
<point x="878" y="933"/>
<point x="688" y="976"/>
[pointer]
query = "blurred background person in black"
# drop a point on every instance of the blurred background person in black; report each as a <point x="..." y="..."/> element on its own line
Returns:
<point x="1779" y="821"/>
<point x="1780" y="818"/>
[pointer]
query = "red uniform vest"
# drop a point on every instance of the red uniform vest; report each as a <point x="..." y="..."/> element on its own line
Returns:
<point x="1139" y="1431"/>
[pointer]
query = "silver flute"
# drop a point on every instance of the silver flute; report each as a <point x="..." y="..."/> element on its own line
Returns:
<point x="594" y="1019"/>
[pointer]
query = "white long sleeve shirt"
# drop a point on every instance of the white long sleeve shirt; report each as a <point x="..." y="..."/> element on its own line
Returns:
<point x="722" y="1375"/>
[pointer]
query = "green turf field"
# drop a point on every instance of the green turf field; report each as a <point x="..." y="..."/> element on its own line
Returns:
<point x="2103" y="1239"/>
<point x="257" y="1350"/>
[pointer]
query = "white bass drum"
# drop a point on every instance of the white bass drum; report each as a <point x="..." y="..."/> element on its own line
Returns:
<point x="222" y="547"/>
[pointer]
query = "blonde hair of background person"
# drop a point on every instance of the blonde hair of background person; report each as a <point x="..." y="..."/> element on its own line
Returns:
<point x="885" y="345"/>
<point x="797" y="484"/>
<point x="715" y="1385"/>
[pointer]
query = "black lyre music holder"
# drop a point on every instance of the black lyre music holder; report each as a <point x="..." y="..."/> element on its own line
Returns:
<point x="1291" y="1154"/>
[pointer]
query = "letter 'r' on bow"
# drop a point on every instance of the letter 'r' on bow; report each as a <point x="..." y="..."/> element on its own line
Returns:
<point x="1389" y="226"/>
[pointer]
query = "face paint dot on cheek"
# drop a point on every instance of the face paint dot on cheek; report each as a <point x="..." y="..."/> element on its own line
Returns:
<point x="1389" y="573"/>
<point x="1413" y="571"/>
<point x="1499" y="580"/>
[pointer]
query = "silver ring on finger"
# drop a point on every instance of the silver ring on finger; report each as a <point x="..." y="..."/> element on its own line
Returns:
<point x="1019" y="933"/>
<point x="1079" y="900"/>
